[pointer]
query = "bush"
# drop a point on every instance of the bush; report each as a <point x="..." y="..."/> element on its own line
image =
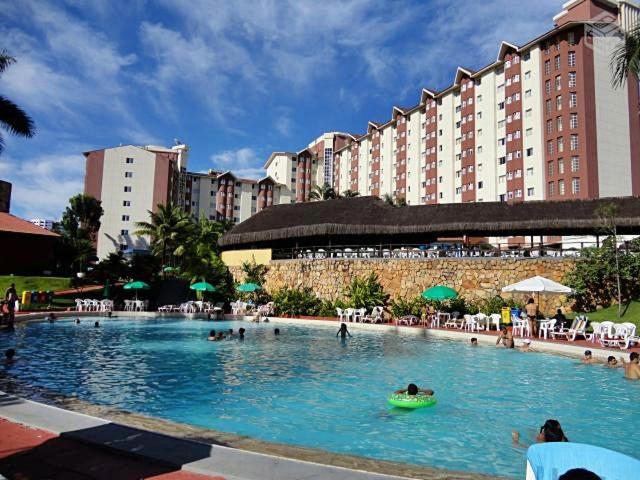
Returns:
<point x="495" y="304"/>
<point x="366" y="293"/>
<point x="401" y="307"/>
<point x="290" y="301"/>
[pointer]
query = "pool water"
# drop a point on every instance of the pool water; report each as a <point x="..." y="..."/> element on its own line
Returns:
<point x="308" y="388"/>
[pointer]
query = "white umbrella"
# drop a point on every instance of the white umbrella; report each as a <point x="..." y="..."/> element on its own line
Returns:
<point x="538" y="284"/>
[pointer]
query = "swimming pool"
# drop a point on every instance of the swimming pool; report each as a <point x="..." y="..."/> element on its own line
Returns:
<point x="308" y="388"/>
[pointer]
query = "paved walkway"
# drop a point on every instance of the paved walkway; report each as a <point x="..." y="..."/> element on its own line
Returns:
<point x="29" y="453"/>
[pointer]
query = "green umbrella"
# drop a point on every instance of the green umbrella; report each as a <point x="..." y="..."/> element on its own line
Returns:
<point x="248" y="287"/>
<point x="440" y="292"/>
<point x="137" y="285"/>
<point x="203" y="287"/>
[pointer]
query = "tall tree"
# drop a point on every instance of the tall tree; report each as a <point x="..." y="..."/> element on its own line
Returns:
<point x="608" y="214"/>
<point x="167" y="228"/>
<point x="84" y="212"/>
<point x="79" y="225"/>
<point x="12" y="118"/>
<point x="322" y="192"/>
<point x="625" y="59"/>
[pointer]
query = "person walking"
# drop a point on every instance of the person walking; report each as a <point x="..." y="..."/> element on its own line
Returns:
<point x="531" y="309"/>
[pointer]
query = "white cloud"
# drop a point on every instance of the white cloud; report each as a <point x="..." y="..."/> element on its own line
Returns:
<point x="43" y="185"/>
<point x="244" y="162"/>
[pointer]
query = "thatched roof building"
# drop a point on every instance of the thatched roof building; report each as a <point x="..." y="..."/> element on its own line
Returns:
<point x="370" y="221"/>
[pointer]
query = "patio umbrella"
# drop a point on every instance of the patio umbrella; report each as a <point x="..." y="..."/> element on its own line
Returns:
<point x="248" y="287"/>
<point x="440" y="292"/>
<point x="538" y="285"/>
<point x="203" y="287"/>
<point x="137" y="285"/>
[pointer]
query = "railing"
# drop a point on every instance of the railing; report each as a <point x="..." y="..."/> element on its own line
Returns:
<point x="405" y="251"/>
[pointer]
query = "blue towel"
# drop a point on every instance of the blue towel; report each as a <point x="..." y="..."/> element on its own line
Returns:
<point x="550" y="460"/>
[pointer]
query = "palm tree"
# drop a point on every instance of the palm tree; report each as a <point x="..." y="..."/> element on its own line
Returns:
<point x="324" y="192"/>
<point x="12" y="117"/>
<point x="350" y="194"/>
<point x="167" y="228"/>
<point x="625" y="59"/>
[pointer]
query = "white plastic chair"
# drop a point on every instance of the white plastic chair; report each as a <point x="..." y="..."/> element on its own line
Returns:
<point x="128" y="305"/>
<point x="340" y="313"/>
<point x="495" y="319"/>
<point x="520" y="326"/>
<point x="79" y="305"/>
<point x="546" y="328"/>
<point x="348" y="314"/>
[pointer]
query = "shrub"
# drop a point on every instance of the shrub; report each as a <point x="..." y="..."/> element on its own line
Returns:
<point x="495" y="304"/>
<point x="401" y="307"/>
<point x="290" y="301"/>
<point x="366" y="293"/>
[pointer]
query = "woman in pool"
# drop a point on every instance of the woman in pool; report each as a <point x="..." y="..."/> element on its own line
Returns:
<point x="551" y="431"/>
<point x="343" y="332"/>
<point x="412" y="389"/>
<point x="212" y="336"/>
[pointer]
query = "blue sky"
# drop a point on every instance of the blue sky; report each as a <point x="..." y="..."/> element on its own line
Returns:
<point x="233" y="79"/>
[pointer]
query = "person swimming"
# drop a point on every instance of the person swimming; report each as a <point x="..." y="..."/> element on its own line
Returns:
<point x="587" y="359"/>
<point x="412" y="389"/>
<point x="343" y="332"/>
<point x="219" y="337"/>
<point x="77" y="321"/>
<point x="96" y="324"/>
<point x="551" y="431"/>
<point x="212" y="336"/>
<point x="612" y="362"/>
<point x="230" y="333"/>
<point x="632" y="367"/>
<point x="526" y="346"/>
<point x="9" y="355"/>
<point x="474" y="342"/>
<point x="506" y="338"/>
<point x="276" y="331"/>
<point x="241" y="334"/>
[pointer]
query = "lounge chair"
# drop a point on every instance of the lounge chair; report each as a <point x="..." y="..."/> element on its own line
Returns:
<point x="408" y="320"/>
<point x="578" y="327"/>
<point x="624" y="335"/>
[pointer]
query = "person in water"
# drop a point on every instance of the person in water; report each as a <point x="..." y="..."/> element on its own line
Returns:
<point x="551" y="431"/>
<point x="97" y="324"/>
<point x="212" y="336"/>
<point x="612" y="362"/>
<point x="412" y="389"/>
<point x="343" y="332"/>
<point x="51" y="317"/>
<point x="276" y="331"/>
<point x="526" y="346"/>
<point x="579" y="474"/>
<point x="632" y="367"/>
<point x="77" y="321"/>
<point x="230" y="333"/>
<point x="474" y="342"/>
<point x="241" y="334"/>
<point x="587" y="359"/>
<point x="220" y="336"/>
<point x="9" y="355"/>
<point x="506" y="338"/>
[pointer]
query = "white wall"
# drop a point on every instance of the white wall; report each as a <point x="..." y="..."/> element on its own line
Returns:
<point x="612" y="124"/>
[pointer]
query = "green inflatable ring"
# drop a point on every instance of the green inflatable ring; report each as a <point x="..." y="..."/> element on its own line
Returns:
<point x="402" y="400"/>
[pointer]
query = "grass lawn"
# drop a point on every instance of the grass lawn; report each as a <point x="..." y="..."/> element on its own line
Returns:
<point x="33" y="283"/>
<point x="630" y="313"/>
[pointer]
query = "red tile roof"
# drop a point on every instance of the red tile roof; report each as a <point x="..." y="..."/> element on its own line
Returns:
<point x="13" y="224"/>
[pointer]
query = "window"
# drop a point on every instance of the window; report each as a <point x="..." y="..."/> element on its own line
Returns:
<point x="560" y="187"/>
<point x="502" y="160"/>
<point x="530" y="192"/>
<point x="530" y="172"/>
<point x="572" y="79"/>
<point x="124" y="232"/>
<point x="575" y="163"/>
<point x="559" y="83"/>
<point x="549" y="126"/>
<point x="574" y="142"/>
<point x="128" y="174"/>
<point x="550" y="147"/>
<point x="560" y="166"/>
<point x="126" y="203"/>
<point x="127" y="189"/>
<point x="501" y="105"/>
<point x="527" y="93"/>
<point x="528" y="113"/>
<point x="527" y="75"/>
<point x="550" y="186"/>
<point x="575" y="186"/>
<point x="530" y="152"/>
<point x="559" y="123"/>
<point x="573" y="100"/>
<point x="573" y="121"/>
<point x="129" y="160"/>
<point x="550" y="169"/>
<point x="547" y="87"/>
<point x="547" y="67"/>
<point x="125" y="218"/>
<point x="557" y="62"/>
<point x="479" y="116"/>
<point x="559" y="102"/>
<point x="527" y="56"/>
<point x="571" y="38"/>
<point x="572" y="59"/>
<point x="548" y="106"/>
<point x="560" y="145"/>
<point x="529" y="132"/>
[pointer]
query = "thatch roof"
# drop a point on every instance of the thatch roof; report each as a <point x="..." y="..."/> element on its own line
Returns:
<point x="369" y="219"/>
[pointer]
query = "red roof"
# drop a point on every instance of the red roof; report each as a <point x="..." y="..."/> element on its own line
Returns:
<point x="13" y="224"/>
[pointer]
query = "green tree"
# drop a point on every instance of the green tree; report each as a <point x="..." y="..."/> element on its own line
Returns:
<point x="625" y="59"/>
<point x="78" y="228"/>
<point x="608" y="216"/>
<point x="394" y="201"/>
<point x="324" y="192"/>
<point x="83" y="213"/>
<point x="12" y="118"/>
<point x="366" y="293"/>
<point x="168" y="229"/>
<point x="254" y="272"/>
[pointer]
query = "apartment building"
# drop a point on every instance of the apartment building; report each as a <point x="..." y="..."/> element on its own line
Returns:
<point x="298" y="172"/>
<point x="218" y="195"/>
<point x="541" y="121"/>
<point x="43" y="223"/>
<point x="131" y="181"/>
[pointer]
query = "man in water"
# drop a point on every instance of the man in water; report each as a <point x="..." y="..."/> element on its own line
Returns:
<point x="77" y="321"/>
<point x="632" y="367"/>
<point x="612" y="362"/>
<point x="474" y="342"/>
<point x="276" y="331"/>
<point x="96" y="324"/>
<point x="588" y="358"/>
<point x="343" y="332"/>
<point x="8" y="356"/>
<point x="506" y="338"/>
<point x="241" y="334"/>
<point x="212" y="336"/>
<point x="413" y="390"/>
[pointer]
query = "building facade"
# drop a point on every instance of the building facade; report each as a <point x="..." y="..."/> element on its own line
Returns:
<point x="130" y="181"/>
<point x="42" y="223"/>
<point x="542" y="121"/>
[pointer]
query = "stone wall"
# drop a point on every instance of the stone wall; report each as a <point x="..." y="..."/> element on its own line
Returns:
<point x="474" y="279"/>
